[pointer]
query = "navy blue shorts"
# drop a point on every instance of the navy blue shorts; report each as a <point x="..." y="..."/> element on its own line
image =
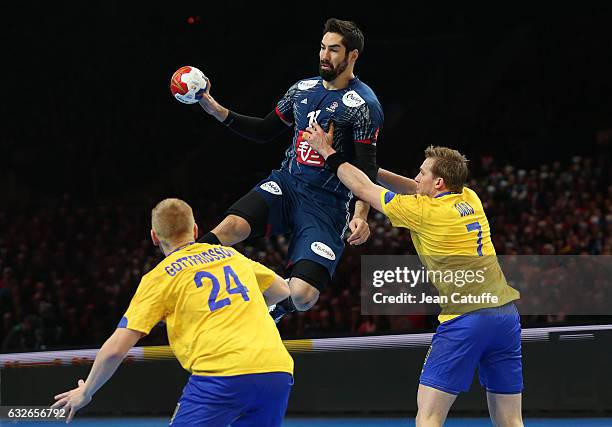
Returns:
<point x="316" y="220"/>
<point x="241" y="400"/>
<point x="488" y="339"/>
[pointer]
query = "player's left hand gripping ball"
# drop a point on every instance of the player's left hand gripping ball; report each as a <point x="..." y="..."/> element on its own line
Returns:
<point x="188" y="84"/>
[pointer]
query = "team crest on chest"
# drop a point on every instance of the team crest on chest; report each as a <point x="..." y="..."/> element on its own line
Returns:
<point x="332" y="107"/>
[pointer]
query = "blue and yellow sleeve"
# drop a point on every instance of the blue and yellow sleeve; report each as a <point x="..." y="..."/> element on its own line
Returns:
<point x="402" y="210"/>
<point x="146" y="309"/>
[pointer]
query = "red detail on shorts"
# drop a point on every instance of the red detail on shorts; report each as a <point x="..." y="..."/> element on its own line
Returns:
<point x="305" y="154"/>
<point x="282" y="116"/>
<point x="364" y="141"/>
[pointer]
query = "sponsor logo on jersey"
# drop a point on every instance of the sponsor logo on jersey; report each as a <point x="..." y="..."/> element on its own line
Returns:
<point x="323" y="250"/>
<point x="304" y="101"/>
<point x="307" y="84"/>
<point x="271" y="187"/>
<point x="305" y="154"/>
<point x="352" y="99"/>
<point x="332" y="107"/>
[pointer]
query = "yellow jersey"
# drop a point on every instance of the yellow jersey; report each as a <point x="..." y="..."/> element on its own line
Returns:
<point x="211" y="299"/>
<point x="451" y="232"/>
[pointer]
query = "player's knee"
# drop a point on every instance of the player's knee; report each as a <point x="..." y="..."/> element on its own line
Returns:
<point x="233" y="229"/>
<point x="304" y="297"/>
<point x="508" y="420"/>
<point x="429" y="419"/>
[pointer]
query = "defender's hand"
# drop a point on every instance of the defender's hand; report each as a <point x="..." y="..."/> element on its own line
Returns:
<point x="360" y="231"/>
<point x="73" y="400"/>
<point x="320" y="140"/>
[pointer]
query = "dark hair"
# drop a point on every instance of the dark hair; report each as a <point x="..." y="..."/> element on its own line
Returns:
<point x="352" y="37"/>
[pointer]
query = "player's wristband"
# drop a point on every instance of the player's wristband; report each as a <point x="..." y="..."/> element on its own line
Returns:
<point x="335" y="160"/>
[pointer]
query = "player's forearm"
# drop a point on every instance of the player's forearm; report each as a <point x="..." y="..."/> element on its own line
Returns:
<point x="106" y="363"/>
<point x="255" y="128"/>
<point x="361" y="210"/>
<point x="356" y="181"/>
<point x="353" y="178"/>
<point x="215" y="109"/>
<point x="396" y="183"/>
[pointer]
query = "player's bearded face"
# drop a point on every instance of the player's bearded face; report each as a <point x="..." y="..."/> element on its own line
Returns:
<point x="329" y="71"/>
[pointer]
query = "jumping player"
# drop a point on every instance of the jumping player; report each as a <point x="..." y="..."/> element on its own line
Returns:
<point x="304" y="197"/>
<point x="447" y="222"/>
<point x="214" y="302"/>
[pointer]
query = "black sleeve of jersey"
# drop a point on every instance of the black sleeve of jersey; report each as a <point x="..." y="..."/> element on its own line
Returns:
<point x="255" y="128"/>
<point x="365" y="159"/>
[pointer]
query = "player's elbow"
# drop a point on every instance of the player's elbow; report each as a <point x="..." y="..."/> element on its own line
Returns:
<point x="113" y="351"/>
<point x="281" y="289"/>
<point x="118" y="345"/>
<point x="284" y="293"/>
<point x="278" y="291"/>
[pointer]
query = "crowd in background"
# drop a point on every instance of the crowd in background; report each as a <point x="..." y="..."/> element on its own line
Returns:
<point x="67" y="273"/>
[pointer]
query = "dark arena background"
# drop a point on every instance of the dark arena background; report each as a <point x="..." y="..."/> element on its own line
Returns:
<point x="92" y="139"/>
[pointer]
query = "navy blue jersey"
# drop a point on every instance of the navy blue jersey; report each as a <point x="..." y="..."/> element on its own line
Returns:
<point x="357" y="117"/>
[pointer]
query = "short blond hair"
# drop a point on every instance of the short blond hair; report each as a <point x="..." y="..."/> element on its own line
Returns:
<point x="450" y="165"/>
<point x="172" y="219"/>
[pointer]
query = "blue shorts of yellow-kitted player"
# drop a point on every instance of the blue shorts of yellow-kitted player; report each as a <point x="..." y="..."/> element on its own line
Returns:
<point x="488" y="339"/>
<point x="241" y="400"/>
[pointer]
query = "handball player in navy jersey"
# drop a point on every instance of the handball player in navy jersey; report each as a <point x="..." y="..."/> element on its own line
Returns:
<point x="303" y="197"/>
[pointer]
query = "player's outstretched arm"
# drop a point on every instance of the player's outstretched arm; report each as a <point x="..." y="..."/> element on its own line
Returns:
<point x="277" y="291"/>
<point x="397" y="183"/>
<point x="359" y="183"/>
<point x="353" y="178"/>
<point x="253" y="128"/>
<point x="107" y="361"/>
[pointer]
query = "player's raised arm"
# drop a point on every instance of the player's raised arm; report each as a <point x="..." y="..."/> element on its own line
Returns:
<point x="353" y="178"/>
<point x="365" y="131"/>
<point x="396" y="183"/>
<point x="256" y="129"/>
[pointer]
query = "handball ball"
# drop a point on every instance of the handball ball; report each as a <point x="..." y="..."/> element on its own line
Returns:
<point x="188" y="84"/>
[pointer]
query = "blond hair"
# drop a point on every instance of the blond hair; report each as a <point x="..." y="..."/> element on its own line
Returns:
<point x="450" y="165"/>
<point x="172" y="219"/>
